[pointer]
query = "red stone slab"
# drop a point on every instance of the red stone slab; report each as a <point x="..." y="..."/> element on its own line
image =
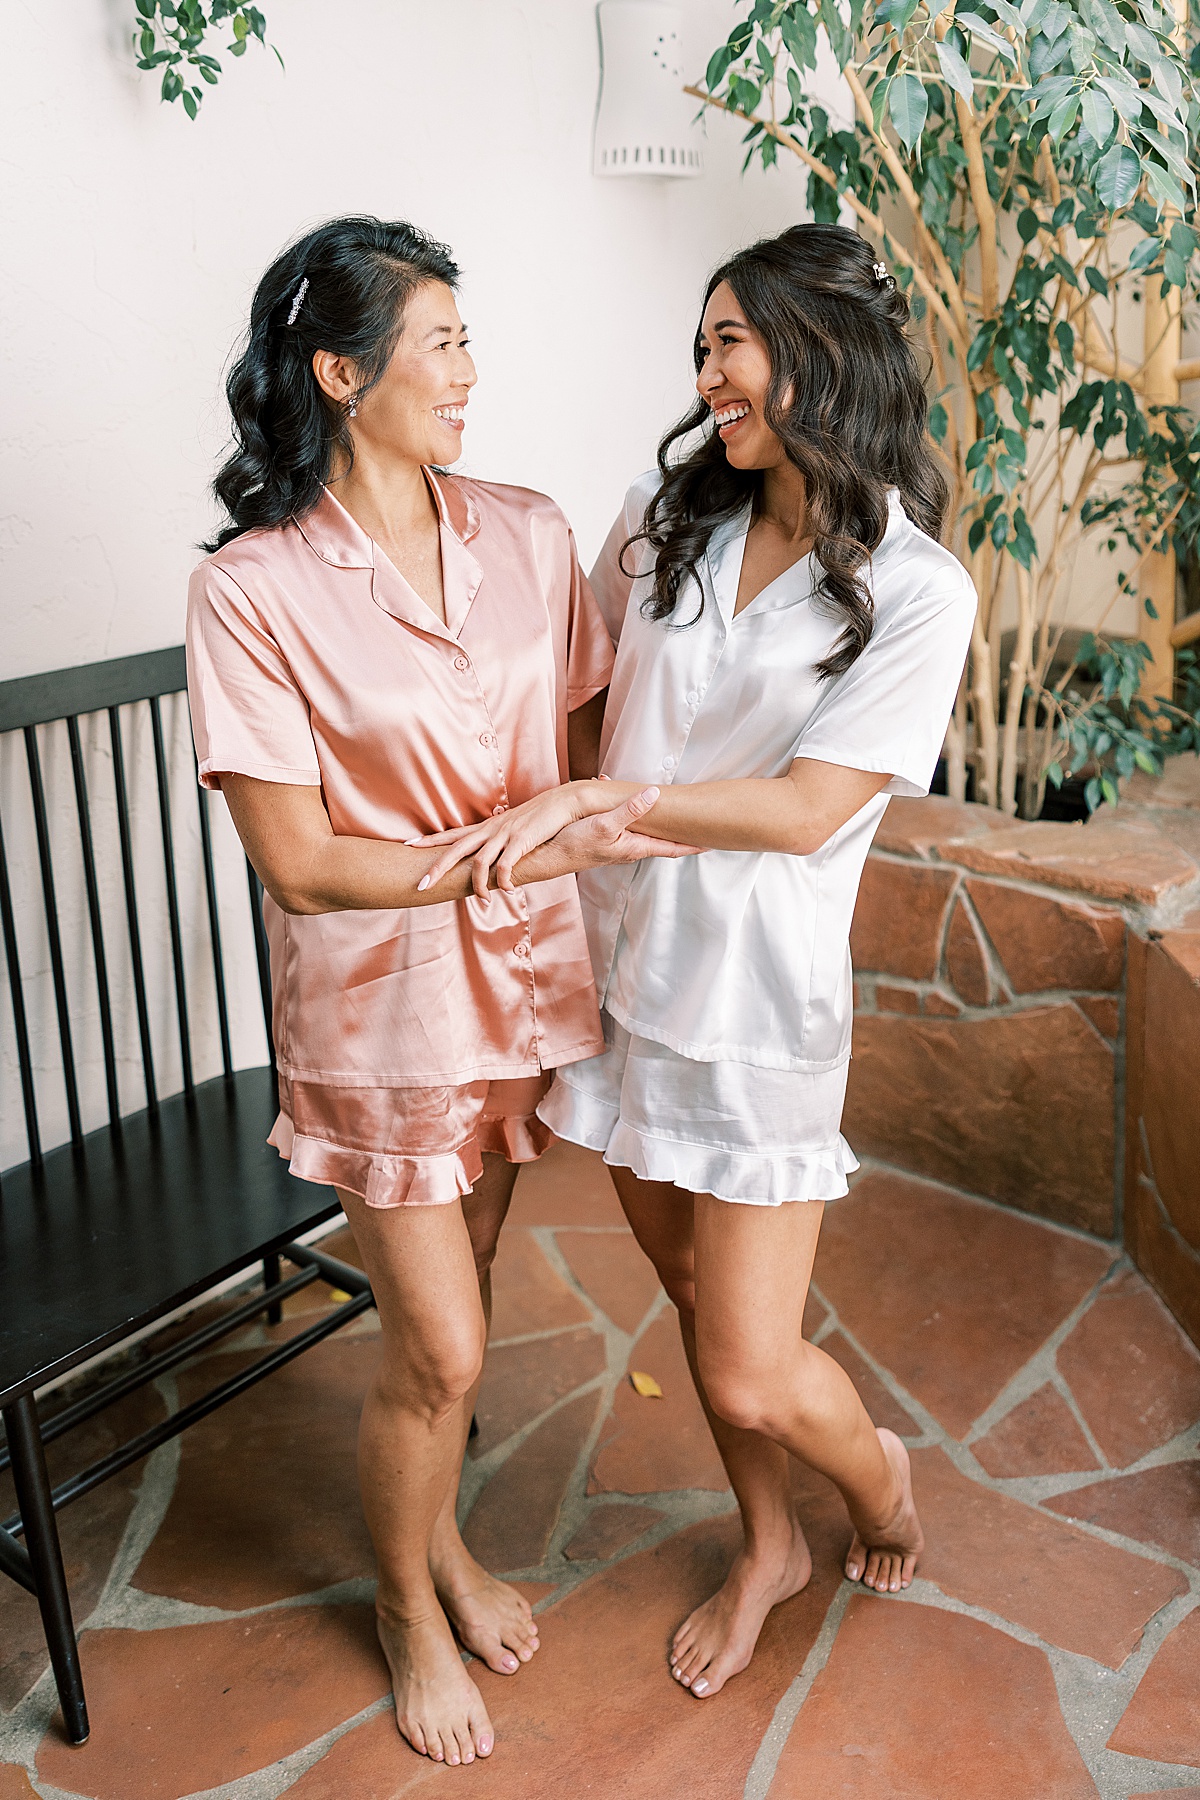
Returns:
<point x="90" y="1530"/>
<point x="878" y="1400"/>
<point x="1067" y="1587"/>
<point x="596" y="1713"/>
<point x="1162" y="1721"/>
<point x="1103" y="1011"/>
<point x="912" y="827"/>
<point x="966" y="959"/>
<point x="15" y="1783"/>
<point x="527" y="1294"/>
<point x="1038" y="1437"/>
<point x="1045" y="943"/>
<point x="610" y="1529"/>
<point x="512" y="1521"/>
<point x="1170" y="1264"/>
<point x="1131" y="1369"/>
<point x="941" y="1097"/>
<point x="1160" y="1506"/>
<point x="567" y="1186"/>
<point x="951" y="1295"/>
<point x="266" y="1503"/>
<point x="898" y="918"/>
<point x="614" y="1270"/>
<point x="522" y="1380"/>
<point x="889" y="998"/>
<point x="193" y="1706"/>
<point x="653" y="1446"/>
<point x="1171" y="1080"/>
<point x="1108" y="858"/>
<point x="918" y="1704"/>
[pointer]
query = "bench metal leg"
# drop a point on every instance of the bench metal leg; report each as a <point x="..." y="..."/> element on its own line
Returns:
<point x="271" y="1278"/>
<point x="45" y="1554"/>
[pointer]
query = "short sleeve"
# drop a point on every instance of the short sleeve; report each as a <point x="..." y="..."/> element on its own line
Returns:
<point x="248" y="714"/>
<point x="589" y="647"/>
<point x="889" y="712"/>
<point x="611" y="584"/>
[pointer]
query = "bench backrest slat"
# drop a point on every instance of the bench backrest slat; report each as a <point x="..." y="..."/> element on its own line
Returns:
<point x="101" y="883"/>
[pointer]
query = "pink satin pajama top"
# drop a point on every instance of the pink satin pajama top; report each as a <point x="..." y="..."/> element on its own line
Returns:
<point x="311" y="660"/>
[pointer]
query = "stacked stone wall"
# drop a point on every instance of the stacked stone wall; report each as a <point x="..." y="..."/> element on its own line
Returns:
<point x="1027" y="1016"/>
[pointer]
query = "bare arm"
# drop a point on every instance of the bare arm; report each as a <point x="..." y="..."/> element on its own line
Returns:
<point x="583" y="737"/>
<point x="794" y="813"/>
<point x="307" y="868"/>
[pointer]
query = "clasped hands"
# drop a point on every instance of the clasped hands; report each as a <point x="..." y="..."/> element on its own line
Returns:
<point x="591" y="822"/>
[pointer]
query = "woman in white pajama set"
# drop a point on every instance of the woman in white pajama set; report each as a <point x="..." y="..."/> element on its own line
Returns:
<point x="790" y="637"/>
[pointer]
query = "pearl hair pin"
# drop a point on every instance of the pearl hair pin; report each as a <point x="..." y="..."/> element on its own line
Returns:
<point x="298" y="302"/>
<point x="882" y="277"/>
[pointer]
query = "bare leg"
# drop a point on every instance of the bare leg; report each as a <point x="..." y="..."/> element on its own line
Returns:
<point x="493" y="1621"/>
<point x="753" y="1267"/>
<point x="718" y="1639"/>
<point x="422" y="1270"/>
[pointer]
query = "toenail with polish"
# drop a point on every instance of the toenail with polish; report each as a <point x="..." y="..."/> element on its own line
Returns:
<point x="699" y="1687"/>
<point x="485" y="1746"/>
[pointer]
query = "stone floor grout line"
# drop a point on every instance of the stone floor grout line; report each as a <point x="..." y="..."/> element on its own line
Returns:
<point x="1039" y="1368"/>
<point x="762" y="1770"/>
<point x="1063" y="1389"/>
<point x="1085" y="1687"/>
<point x="1018" y="1487"/>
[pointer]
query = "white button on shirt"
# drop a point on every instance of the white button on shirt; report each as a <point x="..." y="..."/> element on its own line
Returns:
<point x="744" y="956"/>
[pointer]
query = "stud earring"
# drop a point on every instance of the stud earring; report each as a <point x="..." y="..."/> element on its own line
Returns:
<point x="353" y="410"/>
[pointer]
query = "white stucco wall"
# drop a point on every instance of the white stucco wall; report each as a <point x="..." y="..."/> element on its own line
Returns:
<point x="132" y="240"/>
<point x="130" y="243"/>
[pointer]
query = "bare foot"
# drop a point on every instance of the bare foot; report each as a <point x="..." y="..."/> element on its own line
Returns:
<point x="886" y="1560"/>
<point x="718" y="1640"/>
<point x="492" y="1620"/>
<point x="438" y="1707"/>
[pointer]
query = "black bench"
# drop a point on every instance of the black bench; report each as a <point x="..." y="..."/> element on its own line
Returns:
<point x="163" y="1199"/>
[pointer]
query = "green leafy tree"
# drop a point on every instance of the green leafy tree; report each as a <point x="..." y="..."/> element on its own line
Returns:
<point x="172" y="37"/>
<point x="1029" y="173"/>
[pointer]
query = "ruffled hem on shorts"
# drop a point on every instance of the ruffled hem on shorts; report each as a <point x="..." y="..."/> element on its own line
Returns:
<point x="743" y="1177"/>
<point x="384" y="1180"/>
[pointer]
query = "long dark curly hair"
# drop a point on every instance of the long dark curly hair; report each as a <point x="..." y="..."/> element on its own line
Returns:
<point x="847" y="401"/>
<point x="357" y="275"/>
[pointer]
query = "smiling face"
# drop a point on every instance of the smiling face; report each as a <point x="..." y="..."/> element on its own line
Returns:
<point x="735" y="373"/>
<point x="416" y="409"/>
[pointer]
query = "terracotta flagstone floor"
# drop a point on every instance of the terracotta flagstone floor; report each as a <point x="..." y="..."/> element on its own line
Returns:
<point x="1049" y="1650"/>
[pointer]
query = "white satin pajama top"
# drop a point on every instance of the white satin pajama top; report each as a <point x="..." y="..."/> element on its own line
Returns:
<point x="737" y="956"/>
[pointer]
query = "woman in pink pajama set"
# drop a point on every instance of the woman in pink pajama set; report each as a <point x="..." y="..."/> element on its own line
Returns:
<point x="374" y="647"/>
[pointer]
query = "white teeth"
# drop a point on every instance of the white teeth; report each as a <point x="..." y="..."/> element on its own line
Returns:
<point x="737" y="411"/>
<point x="451" y="413"/>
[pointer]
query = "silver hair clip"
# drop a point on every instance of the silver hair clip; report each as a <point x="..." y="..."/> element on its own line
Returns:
<point x="882" y="278"/>
<point x="298" y="302"/>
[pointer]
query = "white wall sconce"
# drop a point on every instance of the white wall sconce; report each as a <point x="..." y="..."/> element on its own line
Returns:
<point x="645" y="122"/>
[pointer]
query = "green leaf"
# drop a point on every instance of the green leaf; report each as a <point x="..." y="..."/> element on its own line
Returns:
<point x="939" y="421"/>
<point x="955" y="71"/>
<point x="1098" y="116"/>
<point x="1144" y="254"/>
<point x="1096" y="280"/>
<point x="1164" y="187"/>
<point x="1175" y="270"/>
<point x="189" y="104"/>
<point x="908" y="105"/>
<point x="1028" y="225"/>
<point x="979" y="28"/>
<point x="1062" y="118"/>
<point x="718" y="62"/>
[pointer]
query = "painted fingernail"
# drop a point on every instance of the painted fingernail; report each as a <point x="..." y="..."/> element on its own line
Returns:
<point x="422" y="884"/>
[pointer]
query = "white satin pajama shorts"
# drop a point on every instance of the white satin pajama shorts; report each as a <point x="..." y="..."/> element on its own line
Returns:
<point x="743" y="1133"/>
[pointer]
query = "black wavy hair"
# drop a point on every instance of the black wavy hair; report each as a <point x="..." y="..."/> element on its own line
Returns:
<point x="357" y="276"/>
<point x="847" y="401"/>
